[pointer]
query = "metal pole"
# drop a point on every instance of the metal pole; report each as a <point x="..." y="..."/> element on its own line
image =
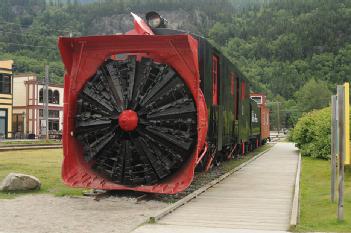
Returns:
<point x="278" y="120"/>
<point x="46" y="102"/>
<point x="341" y="132"/>
<point x="347" y="159"/>
<point x="334" y="135"/>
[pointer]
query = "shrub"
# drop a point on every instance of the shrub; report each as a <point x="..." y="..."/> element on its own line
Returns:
<point x="312" y="134"/>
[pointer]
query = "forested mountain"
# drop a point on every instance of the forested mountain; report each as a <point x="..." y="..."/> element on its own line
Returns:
<point x="285" y="47"/>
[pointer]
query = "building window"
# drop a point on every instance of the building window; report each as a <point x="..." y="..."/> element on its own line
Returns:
<point x="5" y="84"/>
<point x="3" y="123"/>
<point x="215" y="80"/>
<point x="52" y="113"/>
<point x="54" y="124"/>
<point x="50" y="97"/>
<point x="17" y="122"/>
<point x="56" y="97"/>
<point x="53" y="96"/>
<point x="41" y="95"/>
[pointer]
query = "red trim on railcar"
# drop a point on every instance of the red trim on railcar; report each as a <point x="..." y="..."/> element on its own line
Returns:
<point x="214" y="80"/>
<point x="232" y="88"/>
<point x="243" y="86"/>
<point x="237" y="99"/>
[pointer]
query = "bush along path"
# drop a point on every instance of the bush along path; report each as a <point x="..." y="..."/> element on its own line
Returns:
<point x="312" y="134"/>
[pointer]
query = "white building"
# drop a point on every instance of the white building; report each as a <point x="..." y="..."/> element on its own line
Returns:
<point x="28" y="106"/>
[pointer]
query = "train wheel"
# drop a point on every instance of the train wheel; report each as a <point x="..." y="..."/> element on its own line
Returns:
<point x="136" y="121"/>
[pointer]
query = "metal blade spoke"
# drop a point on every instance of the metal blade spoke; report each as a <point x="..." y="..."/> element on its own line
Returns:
<point x="162" y="80"/>
<point x="157" y="133"/>
<point x="96" y="142"/>
<point x="143" y="148"/>
<point x="182" y="111"/>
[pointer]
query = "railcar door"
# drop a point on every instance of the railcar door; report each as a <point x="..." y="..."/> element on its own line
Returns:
<point x="216" y="123"/>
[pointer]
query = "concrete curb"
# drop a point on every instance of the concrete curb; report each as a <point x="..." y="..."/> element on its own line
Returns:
<point x="196" y="193"/>
<point x="295" y="210"/>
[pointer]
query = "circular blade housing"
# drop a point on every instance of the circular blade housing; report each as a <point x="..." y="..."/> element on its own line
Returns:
<point x="136" y="121"/>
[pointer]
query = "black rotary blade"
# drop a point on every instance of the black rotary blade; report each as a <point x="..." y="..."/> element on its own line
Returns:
<point x="166" y="132"/>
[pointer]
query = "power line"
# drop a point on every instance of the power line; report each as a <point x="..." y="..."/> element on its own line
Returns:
<point x="29" y="45"/>
<point x="28" y="35"/>
<point x="26" y="32"/>
<point x="22" y="27"/>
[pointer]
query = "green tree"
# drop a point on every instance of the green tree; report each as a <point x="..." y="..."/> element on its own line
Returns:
<point x="313" y="95"/>
<point x="220" y="33"/>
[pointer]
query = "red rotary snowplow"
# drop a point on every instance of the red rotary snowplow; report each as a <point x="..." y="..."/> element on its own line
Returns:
<point x="134" y="115"/>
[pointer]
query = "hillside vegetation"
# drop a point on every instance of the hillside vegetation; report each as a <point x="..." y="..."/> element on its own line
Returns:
<point x="287" y="48"/>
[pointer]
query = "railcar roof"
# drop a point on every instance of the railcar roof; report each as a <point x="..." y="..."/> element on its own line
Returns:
<point x="168" y="31"/>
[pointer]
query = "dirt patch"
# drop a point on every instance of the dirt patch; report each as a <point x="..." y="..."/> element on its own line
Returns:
<point x="46" y="213"/>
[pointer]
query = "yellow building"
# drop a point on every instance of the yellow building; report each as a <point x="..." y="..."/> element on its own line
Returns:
<point x="6" y="99"/>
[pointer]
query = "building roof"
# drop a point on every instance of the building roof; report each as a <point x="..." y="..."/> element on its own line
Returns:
<point x="39" y="82"/>
<point x="51" y="84"/>
<point x="17" y="75"/>
<point x="6" y="67"/>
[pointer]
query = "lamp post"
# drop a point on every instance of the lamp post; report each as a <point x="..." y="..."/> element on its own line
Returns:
<point x="23" y="124"/>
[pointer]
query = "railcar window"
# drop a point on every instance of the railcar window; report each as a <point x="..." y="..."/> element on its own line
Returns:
<point x="232" y="83"/>
<point x="215" y="80"/>
<point x="257" y="99"/>
<point x="243" y="89"/>
<point x="237" y="100"/>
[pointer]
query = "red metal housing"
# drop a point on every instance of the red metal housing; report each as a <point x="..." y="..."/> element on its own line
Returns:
<point x="82" y="57"/>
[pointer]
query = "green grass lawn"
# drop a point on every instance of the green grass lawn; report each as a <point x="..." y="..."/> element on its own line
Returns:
<point x="30" y="142"/>
<point x="44" y="164"/>
<point x="317" y="211"/>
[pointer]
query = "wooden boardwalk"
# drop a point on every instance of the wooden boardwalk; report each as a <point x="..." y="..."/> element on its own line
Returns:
<point x="257" y="197"/>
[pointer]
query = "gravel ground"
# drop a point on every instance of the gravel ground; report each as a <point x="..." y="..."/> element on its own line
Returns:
<point x="49" y="214"/>
<point x="118" y="213"/>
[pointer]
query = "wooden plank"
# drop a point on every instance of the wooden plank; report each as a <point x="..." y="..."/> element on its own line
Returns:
<point x="341" y="137"/>
<point x="231" y="225"/>
<point x="294" y="218"/>
<point x="196" y="193"/>
<point x="259" y="196"/>
<point x="334" y="142"/>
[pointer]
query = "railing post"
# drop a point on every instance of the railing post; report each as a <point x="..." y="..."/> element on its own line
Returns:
<point x="334" y="143"/>
<point x="341" y="137"/>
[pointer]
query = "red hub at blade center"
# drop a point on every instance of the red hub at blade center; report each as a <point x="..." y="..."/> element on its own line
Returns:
<point x="128" y="120"/>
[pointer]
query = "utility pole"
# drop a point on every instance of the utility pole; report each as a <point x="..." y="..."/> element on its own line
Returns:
<point x="46" y="102"/>
<point x="277" y="115"/>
